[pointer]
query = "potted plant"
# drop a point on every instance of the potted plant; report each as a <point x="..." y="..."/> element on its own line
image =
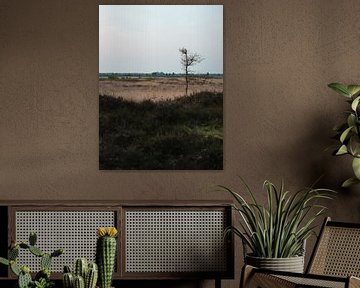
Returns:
<point x="348" y="133"/>
<point x="276" y="233"/>
<point x="84" y="274"/>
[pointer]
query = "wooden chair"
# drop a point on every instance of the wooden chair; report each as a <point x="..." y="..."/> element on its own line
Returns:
<point x="334" y="263"/>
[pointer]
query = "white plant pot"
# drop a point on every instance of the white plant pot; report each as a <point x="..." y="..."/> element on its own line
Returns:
<point x="291" y="264"/>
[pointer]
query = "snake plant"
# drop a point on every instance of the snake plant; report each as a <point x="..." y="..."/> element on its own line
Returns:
<point x="348" y="132"/>
<point x="279" y="228"/>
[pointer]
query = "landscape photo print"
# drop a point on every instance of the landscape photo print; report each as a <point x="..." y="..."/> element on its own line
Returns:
<point x="161" y="87"/>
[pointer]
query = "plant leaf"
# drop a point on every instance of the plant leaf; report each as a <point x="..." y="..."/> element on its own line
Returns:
<point x="349" y="182"/>
<point x="342" y="150"/>
<point x="356" y="167"/>
<point x="355" y="103"/>
<point x="4" y="261"/>
<point x="340" y="88"/>
<point x="345" y="134"/>
<point x="353" y="89"/>
<point x="351" y="121"/>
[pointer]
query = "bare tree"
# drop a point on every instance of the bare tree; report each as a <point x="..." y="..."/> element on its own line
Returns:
<point x="187" y="60"/>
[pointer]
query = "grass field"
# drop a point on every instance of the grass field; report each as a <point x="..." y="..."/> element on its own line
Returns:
<point x="185" y="133"/>
<point x="157" y="89"/>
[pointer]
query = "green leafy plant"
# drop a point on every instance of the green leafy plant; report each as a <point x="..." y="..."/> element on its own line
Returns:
<point x="279" y="229"/>
<point x="348" y="132"/>
<point x="42" y="278"/>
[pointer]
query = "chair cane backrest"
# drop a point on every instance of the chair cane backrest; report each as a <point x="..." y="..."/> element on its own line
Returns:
<point x="337" y="252"/>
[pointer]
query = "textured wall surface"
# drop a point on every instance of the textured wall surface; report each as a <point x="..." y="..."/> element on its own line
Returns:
<point x="279" y="56"/>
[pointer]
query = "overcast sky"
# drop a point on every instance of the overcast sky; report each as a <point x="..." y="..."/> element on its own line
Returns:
<point x="147" y="38"/>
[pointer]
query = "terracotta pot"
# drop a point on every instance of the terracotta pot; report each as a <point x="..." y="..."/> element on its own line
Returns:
<point x="291" y="264"/>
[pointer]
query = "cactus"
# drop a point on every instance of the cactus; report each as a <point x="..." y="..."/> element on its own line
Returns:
<point x="68" y="280"/>
<point x="32" y="238"/>
<point x="57" y="252"/>
<point x="106" y="254"/>
<point x="42" y="278"/>
<point x="24" y="245"/>
<point x="91" y="276"/>
<point x="36" y="251"/>
<point x="4" y="261"/>
<point x="81" y="267"/>
<point x="13" y="253"/>
<point x="79" y="282"/>
<point x="44" y="273"/>
<point x="24" y="280"/>
<point x="45" y="261"/>
<point x="67" y="269"/>
<point x="14" y="268"/>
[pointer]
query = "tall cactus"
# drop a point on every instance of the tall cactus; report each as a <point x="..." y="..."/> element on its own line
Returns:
<point x="106" y="254"/>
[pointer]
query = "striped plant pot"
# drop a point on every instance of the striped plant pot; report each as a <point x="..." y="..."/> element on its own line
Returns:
<point x="291" y="264"/>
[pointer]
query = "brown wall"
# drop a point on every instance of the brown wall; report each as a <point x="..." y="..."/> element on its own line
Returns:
<point x="279" y="57"/>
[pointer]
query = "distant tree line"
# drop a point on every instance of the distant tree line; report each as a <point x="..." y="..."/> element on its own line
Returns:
<point x="158" y="74"/>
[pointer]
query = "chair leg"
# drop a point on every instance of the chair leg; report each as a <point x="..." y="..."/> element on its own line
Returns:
<point x="246" y="273"/>
<point x="251" y="279"/>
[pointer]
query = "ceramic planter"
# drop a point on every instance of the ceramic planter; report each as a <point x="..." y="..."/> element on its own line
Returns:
<point x="291" y="264"/>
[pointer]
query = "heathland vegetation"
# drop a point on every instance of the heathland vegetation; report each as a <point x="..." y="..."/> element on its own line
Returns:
<point x="184" y="133"/>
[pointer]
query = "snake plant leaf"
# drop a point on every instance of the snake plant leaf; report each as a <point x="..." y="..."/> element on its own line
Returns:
<point x="341" y="89"/>
<point x="349" y="182"/>
<point x="278" y="228"/>
<point x="353" y="89"/>
<point x="355" y="103"/>
<point x="356" y="167"/>
<point x="345" y="134"/>
<point x="342" y="150"/>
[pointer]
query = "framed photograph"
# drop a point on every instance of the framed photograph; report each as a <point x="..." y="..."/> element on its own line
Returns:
<point x="161" y="87"/>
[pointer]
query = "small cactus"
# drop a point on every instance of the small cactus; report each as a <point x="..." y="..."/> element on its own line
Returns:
<point x="91" y="276"/>
<point x="68" y="280"/>
<point x="80" y="268"/>
<point x="88" y="273"/>
<point x="106" y="254"/>
<point x="79" y="282"/>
